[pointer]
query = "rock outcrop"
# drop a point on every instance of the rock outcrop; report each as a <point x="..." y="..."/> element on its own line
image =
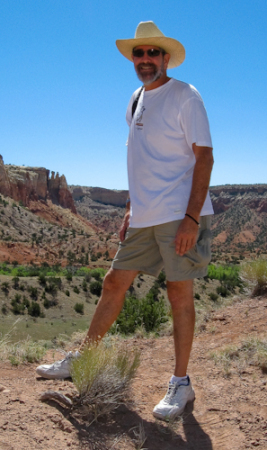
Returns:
<point x="253" y="196"/>
<point x="100" y="195"/>
<point x="240" y="220"/>
<point x="4" y="181"/>
<point x="239" y="223"/>
<point x="28" y="184"/>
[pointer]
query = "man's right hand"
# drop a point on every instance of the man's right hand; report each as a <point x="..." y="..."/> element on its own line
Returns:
<point x="124" y="226"/>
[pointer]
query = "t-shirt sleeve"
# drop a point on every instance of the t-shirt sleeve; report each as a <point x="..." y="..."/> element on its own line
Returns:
<point x="194" y="121"/>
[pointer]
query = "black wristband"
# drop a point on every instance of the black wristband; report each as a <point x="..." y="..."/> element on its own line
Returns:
<point x="188" y="215"/>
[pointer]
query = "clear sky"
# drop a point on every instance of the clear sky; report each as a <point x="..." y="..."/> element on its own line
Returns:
<point x="64" y="87"/>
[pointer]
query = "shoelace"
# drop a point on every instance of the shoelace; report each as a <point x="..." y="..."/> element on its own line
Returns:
<point x="171" y="391"/>
<point x="67" y="356"/>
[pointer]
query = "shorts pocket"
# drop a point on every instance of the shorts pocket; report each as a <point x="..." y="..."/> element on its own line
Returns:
<point x="200" y="254"/>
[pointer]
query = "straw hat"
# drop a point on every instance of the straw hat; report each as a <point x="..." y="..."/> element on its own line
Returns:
<point x="147" y="33"/>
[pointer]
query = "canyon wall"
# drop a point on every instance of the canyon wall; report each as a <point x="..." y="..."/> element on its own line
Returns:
<point x="34" y="183"/>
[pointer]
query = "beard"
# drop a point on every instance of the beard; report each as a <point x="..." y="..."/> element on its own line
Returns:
<point x="148" y="72"/>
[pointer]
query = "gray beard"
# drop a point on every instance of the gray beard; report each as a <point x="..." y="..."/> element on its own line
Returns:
<point x="153" y="77"/>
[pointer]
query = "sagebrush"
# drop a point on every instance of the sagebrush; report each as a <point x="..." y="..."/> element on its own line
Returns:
<point x="255" y="273"/>
<point x="102" y="375"/>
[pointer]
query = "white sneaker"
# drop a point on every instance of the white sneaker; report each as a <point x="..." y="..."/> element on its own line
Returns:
<point x="59" y="369"/>
<point x="174" y="402"/>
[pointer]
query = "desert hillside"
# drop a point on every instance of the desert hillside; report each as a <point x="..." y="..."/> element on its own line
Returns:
<point x="44" y="219"/>
<point x="55" y="241"/>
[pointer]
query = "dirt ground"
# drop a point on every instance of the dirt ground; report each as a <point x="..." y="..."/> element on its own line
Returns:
<point x="229" y="413"/>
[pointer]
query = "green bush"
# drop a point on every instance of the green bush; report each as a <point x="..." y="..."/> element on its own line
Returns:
<point x="76" y="290"/>
<point x="79" y="308"/>
<point x="69" y="276"/>
<point x="52" y="285"/>
<point x="15" y="281"/>
<point x="197" y="296"/>
<point x="97" y="274"/>
<point x="67" y="292"/>
<point x="5" y="287"/>
<point x="223" y="291"/>
<point x="25" y="302"/>
<point x="42" y="279"/>
<point x="17" y="307"/>
<point x="228" y="275"/>
<point x="47" y="303"/>
<point x="154" y="290"/>
<point x="4" y="309"/>
<point x="145" y="312"/>
<point x="96" y="288"/>
<point x="162" y="278"/>
<point x="213" y="296"/>
<point x="33" y="292"/>
<point x="34" y="309"/>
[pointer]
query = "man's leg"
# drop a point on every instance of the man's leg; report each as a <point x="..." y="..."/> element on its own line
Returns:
<point x="115" y="285"/>
<point x="180" y="295"/>
<point x="180" y="390"/>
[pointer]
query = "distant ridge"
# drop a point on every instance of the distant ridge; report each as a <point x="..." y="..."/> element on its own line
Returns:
<point x="26" y="184"/>
<point x="239" y="224"/>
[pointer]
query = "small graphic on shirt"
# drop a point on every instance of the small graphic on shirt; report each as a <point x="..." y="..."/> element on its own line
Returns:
<point x="139" y="118"/>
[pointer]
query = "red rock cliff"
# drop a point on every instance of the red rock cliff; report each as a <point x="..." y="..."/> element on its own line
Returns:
<point x="33" y="183"/>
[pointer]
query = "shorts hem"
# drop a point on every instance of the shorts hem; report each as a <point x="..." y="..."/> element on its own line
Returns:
<point x="189" y="276"/>
<point x="116" y="265"/>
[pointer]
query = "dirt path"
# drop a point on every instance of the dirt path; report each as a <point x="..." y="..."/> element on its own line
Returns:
<point x="230" y="413"/>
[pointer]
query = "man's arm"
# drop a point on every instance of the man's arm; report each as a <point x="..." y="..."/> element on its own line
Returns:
<point x="126" y="220"/>
<point x="187" y="232"/>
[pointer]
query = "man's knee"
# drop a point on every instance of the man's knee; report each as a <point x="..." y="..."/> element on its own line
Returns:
<point x="180" y="293"/>
<point x="116" y="280"/>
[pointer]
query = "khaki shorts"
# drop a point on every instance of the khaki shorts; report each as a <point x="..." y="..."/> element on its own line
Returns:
<point x="150" y="249"/>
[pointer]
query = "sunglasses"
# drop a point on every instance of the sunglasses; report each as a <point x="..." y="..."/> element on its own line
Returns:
<point x="151" y="52"/>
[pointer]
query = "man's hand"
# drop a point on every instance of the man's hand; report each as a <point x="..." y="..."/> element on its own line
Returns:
<point x="186" y="236"/>
<point x="124" y="226"/>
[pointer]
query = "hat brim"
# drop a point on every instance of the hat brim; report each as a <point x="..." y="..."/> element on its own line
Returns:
<point x="171" y="46"/>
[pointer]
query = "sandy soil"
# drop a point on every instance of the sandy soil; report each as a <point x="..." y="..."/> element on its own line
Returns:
<point x="229" y="413"/>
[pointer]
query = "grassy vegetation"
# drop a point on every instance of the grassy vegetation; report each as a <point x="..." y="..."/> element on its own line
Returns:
<point x="102" y="376"/>
<point x="56" y="300"/>
<point x="45" y="270"/>
<point x="43" y="329"/>
<point x="22" y="351"/>
<point x="252" y="351"/>
<point x="255" y="273"/>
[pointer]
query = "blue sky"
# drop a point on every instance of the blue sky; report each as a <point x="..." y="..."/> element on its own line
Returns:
<point x="64" y="87"/>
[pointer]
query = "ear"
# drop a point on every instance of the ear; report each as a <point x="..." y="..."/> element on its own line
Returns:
<point x="166" y="60"/>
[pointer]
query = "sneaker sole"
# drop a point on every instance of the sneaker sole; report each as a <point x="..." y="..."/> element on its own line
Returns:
<point x="51" y="376"/>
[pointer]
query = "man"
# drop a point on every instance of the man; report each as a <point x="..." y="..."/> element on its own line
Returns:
<point x="167" y="220"/>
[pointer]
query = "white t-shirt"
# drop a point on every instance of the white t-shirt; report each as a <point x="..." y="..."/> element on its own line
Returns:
<point x="167" y="121"/>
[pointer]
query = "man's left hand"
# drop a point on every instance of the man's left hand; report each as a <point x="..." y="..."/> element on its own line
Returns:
<point x="186" y="236"/>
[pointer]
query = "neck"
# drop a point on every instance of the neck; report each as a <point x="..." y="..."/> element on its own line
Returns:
<point x="162" y="80"/>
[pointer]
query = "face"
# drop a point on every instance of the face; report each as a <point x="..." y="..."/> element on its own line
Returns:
<point x="150" y="68"/>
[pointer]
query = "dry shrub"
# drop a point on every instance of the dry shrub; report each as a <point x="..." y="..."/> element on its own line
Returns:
<point x="250" y="352"/>
<point x="102" y="375"/>
<point x="255" y="273"/>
